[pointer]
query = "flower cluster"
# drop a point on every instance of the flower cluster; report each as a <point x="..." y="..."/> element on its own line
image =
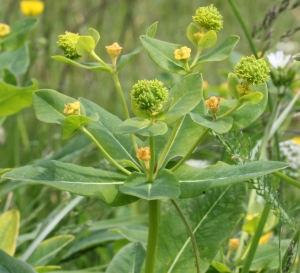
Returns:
<point x="72" y="108"/>
<point x="143" y="153"/>
<point x="291" y="150"/>
<point x="4" y="29"/>
<point x="209" y="18"/>
<point x="213" y="104"/>
<point x="67" y="43"/>
<point x="114" y="50"/>
<point x="183" y="53"/>
<point x="149" y="95"/>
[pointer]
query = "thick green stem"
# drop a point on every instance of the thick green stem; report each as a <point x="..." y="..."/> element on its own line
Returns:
<point x="255" y="239"/>
<point x="237" y="106"/>
<point x="152" y="159"/>
<point x="153" y="215"/>
<point x="190" y="231"/>
<point x="106" y="155"/>
<point x="199" y="50"/>
<point x="244" y="27"/>
<point x="287" y="179"/>
<point x="98" y="59"/>
<point x="23" y="132"/>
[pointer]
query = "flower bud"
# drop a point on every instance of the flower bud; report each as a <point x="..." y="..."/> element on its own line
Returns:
<point x="234" y="243"/>
<point x="32" y="8"/>
<point x="149" y="96"/>
<point x="67" y="43"/>
<point x="114" y="50"/>
<point x="143" y="153"/>
<point x="183" y="53"/>
<point x="72" y="108"/>
<point x="209" y="18"/>
<point x="4" y="29"/>
<point x="213" y="104"/>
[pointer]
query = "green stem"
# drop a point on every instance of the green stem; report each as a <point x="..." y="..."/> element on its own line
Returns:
<point x="192" y="149"/>
<point x="222" y="259"/>
<point x="243" y="25"/>
<point x="258" y="233"/>
<point x="106" y="155"/>
<point x="287" y="179"/>
<point x="152" y="159"/>
<point x="153" y="215"/>
<point x="199" y="50"/>
<point x="190" y="231"/>
<point x="23" y="132"/>
<point x="237" y="106"/>
<point x="98" y="59"/>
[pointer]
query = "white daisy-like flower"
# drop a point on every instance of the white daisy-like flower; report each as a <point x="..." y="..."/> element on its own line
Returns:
<point x="290" y="149"/>
<point x="278" y="59"/>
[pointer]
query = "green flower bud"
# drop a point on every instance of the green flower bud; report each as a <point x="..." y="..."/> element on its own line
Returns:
<point x="67" y="43"/>
<point x="149" y="95"/>
<point x="208" y="18"/>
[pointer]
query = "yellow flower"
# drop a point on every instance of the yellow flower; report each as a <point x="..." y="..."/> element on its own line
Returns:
<point x="4" y="29"/>
<point x="296" y="139"/>
<point x="143" y="153"/>
<point x="205" y="84"/>
<point x="265" y="238"/>
<point x="213" y="104"/>
<point x="72" y="108"/>
<point x="182" y="54"/>
<point x="32" y="8"/>
<point x="234" y="243"/>
<point x="251" y="216"/>
<point x="114" y="50"/>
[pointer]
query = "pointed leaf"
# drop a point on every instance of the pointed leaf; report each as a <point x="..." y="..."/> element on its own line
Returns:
<point x="208" y="40"/>
<point x="220" y="53"/>
<point x="233" y="81"/>
<point x="8" y="77"/>
<point x="165" y="185"/>
<point x="13" y="98"/>
<point x="133" y="233"/>
<point x="186" y="94"/>
<point x="191" y="30"/>
<point x="95" y="35"/>
<point x="79" y="180"/>
<point x="85" y="45"/>
<point x="162" y="53"/>
<point x="9" y="230"/>
<point x="194" y="181"/>
<point x="47" y="268"/>
<point x="220" y="126"/>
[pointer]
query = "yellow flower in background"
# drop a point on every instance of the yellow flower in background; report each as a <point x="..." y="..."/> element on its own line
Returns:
<point x="4" y="29"/>
<point x="296" y="139"/>
<point x="265" y="238"/>
<point x="32" y="8"/>
<point x="143" y="153"/>
<point x="234" y="243"/>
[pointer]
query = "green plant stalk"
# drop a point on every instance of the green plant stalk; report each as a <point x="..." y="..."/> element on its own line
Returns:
<point x="152" y="160"/>
<point x="287" y="179"/>
<point x="243" y="25"/>
<point x="106" y="155"/>
<point x="23" y="132"/>
<point x="279" y="250"/>
<point x="258" y="233"/>
<point x="199" y="50"/>
<point x="190" y="231"/>
<point x="98" y="59"/>
<point x="229" y="112"/>
<point x="153" y="215"/>
<point x="222" y="259"/>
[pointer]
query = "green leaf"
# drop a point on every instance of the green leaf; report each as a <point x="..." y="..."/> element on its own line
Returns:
<point x="165" y="185"/>
<point x="220" y="53"/>
<point x="212" y="218"/>
<point x="2" y="171"/>
<point x="194" y="181"/>
<point x="253" y="98"/>
<point x="129" y="259"/>
<point x="125" y="59"/>
<point x="16" y="61"/>
<point x="18" y="35"/>
<point x="9" y="264"/>
<point x="8" y="77"/>
<point x="95" y="35"/>
<point x="191" y="30"/>
<point x="49" y="248"/>
<point x="220" y="126"/>
<point x="133" y="233"/>
<point x="9" y="230"/>
<point x="222" y="268"/>
<point x="90" y="66"/>
<point x="73" y="123"/>
<point x="233" y="81"/>
<point x="208" y="40"/>
<point x="79" y="180"/>
<point x="186" y="94"/>
<point x="13" y="98"/>
<point x="248" y="112"/>
<point x="142" y="127"/>
<point x="48" y="268"/>
<point x="85" y="45"/>
<point x="162" y="54"/>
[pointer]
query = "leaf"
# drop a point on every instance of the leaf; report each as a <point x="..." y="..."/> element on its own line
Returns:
<point x="73" y="123"/>
<point x="125" y="59"/>
<point x="253" y="98"/>
<point x="212" y="218"/>
<point x="133" y="233"/>
<point x="79" y="180"/>
<point x="2" y="171"/>
<point x="90" y="66"/>
<point x="162" y="54"/>
<point x="9" y="77"/>
<point x="95" y="35"/>
<point x="220" y="126"/>
<point x="129" y="259"/>
<point x="9" y="230"/>
<point x="233" y="81"/>
<point x="191" y="30"/>
<point x="165" y="185"/>
<point x="42" y="269"/>
<point x="142" y="127"/>
<point x="208" y="40"/>
<point x="9" y="264"/>
<point x="220" y="53"/>
<point x="49" y="248"/>
<point x="186" y="94"/>
<point x="13" y="98"/>
<point x="16" y="61"/>
<point x="194" y="181"/>
<point x="18" y="35"/>
<point x="85" y="45"/>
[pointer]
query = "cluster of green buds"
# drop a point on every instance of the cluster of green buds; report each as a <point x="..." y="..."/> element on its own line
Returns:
<point x="4" y="29"/>
<point x="67" y="43"/>
<point x="149" y="96"/>
<point x="251" y="71"/>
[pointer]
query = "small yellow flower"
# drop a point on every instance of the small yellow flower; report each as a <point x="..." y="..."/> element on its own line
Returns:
<point x="4" y="29"/>
<point x="205" y="84"/>
<point x="143" y="153"/>
<point x="296" y="139"/>
<point x="182" y="54"/>
<point x="234" y="243"/>
<point x="72" y="108"/>
<point x="114" y="50"/>
<point x="198" y="35"/>
<point x="243" y="89"/>
<point x="251" y="216"/>
<point x="32" y="8"/>
<point x="265" y="238"/>
<point x="213" y="104"/>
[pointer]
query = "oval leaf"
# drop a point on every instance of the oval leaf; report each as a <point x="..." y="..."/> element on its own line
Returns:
<point x="94" y="34"/>
<point x="73" y="123"/>
<point x="191" y="30"/>
<point x="253" y="98"/>
<point x="233" y="81"/>
<point x="208" y="40"/>
<point x="85" y="45"/>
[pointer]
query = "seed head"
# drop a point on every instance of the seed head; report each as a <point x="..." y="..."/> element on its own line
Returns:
<point x="67" y="43"/>
<point x="208" y="18"/>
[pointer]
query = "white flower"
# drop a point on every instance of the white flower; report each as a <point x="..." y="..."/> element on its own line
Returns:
<point x="278" y="59"/>
<point x="290" y="149"/>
